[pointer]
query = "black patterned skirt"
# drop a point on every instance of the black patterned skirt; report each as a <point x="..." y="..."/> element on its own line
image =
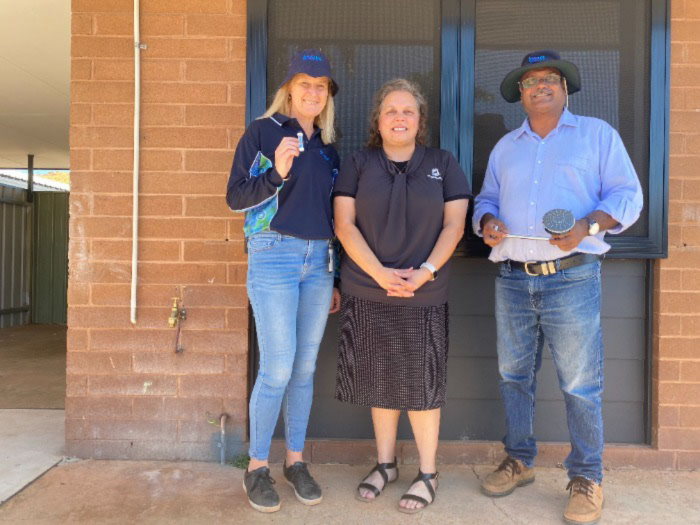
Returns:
<point x="392" y="356"/>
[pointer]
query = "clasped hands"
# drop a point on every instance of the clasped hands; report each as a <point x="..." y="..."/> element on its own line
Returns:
<point x="402" y="282"/>
<point x="495" y="230"/>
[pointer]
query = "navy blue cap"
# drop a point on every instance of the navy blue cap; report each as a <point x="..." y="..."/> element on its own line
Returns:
<point x="313" y="63"/>
<point x="538" y="60"/>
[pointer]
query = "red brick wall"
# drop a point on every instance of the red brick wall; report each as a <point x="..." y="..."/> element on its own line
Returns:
<point x="128" y="394"/>
<point x="676" y="378"/>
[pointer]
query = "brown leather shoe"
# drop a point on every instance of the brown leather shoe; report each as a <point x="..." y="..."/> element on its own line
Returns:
<point x="585" y="504"/>
<point x="509" y="475"/>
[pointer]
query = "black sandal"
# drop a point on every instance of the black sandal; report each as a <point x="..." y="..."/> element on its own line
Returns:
<point x="425" y="478"/>
<point x="381" y="468"/>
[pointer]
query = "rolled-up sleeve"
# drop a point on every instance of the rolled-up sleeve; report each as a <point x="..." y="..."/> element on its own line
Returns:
<point x="621" y="192"/>
<point x="488" y="199"/>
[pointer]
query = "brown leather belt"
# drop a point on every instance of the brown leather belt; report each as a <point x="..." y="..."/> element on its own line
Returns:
<point x="552" y="267"/>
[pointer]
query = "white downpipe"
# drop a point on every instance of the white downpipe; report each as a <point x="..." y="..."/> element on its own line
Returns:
<point x="137" y="126"/>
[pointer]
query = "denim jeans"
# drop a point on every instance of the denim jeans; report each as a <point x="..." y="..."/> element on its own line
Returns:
<point x="290" y="290"/>
<point x="564" y="310"/>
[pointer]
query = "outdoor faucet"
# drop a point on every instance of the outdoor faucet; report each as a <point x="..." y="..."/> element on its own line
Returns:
<point x="177" y="315"/>
<point x="174" y="314"/>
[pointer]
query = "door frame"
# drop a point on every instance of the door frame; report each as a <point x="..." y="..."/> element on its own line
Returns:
<point x="456" y="135"/>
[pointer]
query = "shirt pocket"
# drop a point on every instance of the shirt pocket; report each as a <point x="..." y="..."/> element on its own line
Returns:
<point x="571" y="173"/>
<point x="575" y="185"/>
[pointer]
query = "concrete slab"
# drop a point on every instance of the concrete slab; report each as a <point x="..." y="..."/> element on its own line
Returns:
<point x="33" y="366"/>
<point x="117" y="492"/>
<point x="31" y="442"/>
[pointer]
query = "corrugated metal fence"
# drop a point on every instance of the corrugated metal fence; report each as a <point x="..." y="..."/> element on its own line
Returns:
<point x="50" y="261"/>
<point x="15" y="245"/>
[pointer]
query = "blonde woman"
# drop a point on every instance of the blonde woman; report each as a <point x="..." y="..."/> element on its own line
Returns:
<point x="282" y="178"/>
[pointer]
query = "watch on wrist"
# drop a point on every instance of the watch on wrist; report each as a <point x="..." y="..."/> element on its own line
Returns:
<point x="593" y="226"/>
<point x="431" y="269"/>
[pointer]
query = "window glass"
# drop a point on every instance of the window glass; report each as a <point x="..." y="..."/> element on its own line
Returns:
<point x="609" y="41"/>
<point x="368" y="43"/>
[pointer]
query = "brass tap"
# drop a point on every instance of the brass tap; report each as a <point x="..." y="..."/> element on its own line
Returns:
<point x="174" y="314"/>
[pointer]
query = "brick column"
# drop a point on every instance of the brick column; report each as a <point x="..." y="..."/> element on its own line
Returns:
<point x="676" y="382"/>
<point x="128" y="394"/>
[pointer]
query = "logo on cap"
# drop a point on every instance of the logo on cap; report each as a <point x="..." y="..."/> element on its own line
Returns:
<point x="540" y="58"/>
<point x="312" y="57"/>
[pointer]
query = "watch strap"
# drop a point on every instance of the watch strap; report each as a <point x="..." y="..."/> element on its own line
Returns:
<point x="592" y="223"/>
<point x="431" y="269"/>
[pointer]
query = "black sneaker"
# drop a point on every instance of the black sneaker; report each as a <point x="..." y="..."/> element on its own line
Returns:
<point x="305" y="488"/>
<point x="261" y="494"/>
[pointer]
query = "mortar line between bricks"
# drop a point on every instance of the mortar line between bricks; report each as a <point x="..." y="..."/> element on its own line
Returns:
<point x="186" y="59"/>
<point x="227" y="127"/>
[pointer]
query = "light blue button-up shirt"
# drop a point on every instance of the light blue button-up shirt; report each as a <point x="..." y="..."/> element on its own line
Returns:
<point x="582" y="166"/>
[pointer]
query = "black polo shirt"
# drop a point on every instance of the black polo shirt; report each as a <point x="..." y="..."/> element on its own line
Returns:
<point x="400" y="216"/>
<point x="302" y="206"/>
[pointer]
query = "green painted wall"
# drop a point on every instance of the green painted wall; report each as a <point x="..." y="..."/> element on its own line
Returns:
<point x="50" y="261"/>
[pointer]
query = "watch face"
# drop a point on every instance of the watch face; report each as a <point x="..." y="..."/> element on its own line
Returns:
<point x="593" y="228"/>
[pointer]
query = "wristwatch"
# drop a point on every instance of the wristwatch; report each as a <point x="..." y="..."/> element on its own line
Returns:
<point x="593" y="226"/>
<point x="431" y="269"/>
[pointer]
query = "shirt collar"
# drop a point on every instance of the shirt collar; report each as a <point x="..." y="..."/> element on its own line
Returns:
<point x="280" y="118"/>
<point x="567" y="119"/>
<point x="284" y="120"/>
<point x="413" y="162"/>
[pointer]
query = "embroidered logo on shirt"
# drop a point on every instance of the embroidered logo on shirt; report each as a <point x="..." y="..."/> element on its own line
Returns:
<point x="435" y="174"/>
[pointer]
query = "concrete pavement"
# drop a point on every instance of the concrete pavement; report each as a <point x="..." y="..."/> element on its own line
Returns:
<point x="148" y="492"/>
<point x="31" y="442"/>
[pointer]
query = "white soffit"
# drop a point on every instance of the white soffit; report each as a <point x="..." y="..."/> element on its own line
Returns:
<point x="34" y="83"/>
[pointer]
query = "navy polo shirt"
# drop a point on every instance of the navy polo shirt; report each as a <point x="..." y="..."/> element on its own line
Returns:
<point x="299" y="206"/>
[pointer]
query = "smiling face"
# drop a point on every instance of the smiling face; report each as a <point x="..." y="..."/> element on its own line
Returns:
<point x="543" y="98"/>
<point x="308" y="96"/>
<point x="399" y="118"/>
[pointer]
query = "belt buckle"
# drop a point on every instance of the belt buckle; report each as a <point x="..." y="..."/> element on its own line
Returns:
<point x="527" y="268"/>
<point x="547" y="268"/>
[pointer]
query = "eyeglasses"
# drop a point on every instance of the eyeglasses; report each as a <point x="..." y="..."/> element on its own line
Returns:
<point x="549" y="80"/>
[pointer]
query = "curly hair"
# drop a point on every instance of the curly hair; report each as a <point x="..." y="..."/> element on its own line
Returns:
<point x="398" y="84"/>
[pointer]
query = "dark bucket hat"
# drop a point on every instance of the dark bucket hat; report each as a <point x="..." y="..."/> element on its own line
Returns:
<point x="538" y="60"/>
<point x="313" y="63"/>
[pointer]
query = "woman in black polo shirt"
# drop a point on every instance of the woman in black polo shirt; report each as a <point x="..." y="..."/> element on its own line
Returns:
<point x="400" y="209"/>
<point x="282" y="177"/>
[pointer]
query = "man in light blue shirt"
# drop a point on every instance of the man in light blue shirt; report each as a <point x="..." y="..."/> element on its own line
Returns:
<point x="550" y="289"/>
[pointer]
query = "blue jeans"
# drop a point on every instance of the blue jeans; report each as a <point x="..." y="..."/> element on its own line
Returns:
<point x="564" y="310"/>
<point x="290" y="288"/>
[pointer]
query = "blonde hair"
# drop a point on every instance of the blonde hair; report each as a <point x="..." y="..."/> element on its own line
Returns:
<point x="398" y="84"/>
<point x="325" y="120"/>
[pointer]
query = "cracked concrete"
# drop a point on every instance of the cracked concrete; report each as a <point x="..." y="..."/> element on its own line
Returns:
<point x="493" y="500"/>
<point x="495" y="504"/>
<point x="148" y="492"/>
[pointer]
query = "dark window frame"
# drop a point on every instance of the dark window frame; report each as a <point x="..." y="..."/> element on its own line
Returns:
<point x="457" y="110"/>
<point x="456" y="125"/>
